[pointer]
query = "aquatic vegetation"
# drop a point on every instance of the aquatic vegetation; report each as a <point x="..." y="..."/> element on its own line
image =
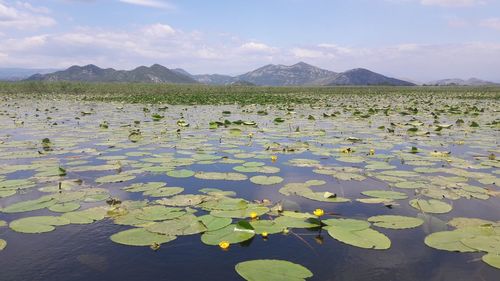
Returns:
<point x="357" y="171"/>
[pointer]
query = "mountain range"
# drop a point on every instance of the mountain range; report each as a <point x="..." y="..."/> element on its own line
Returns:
<point x="460" y="82"/>
<point x="299" y="74"/>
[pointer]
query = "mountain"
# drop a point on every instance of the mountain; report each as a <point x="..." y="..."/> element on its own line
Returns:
<point x="283" y="75"/>
<point x="210" y="79"/>
<point x="363" y="77"/>
<point x="91" y="73"/>
<point x="460" y="82"/>
<point x="300" y="74"/>
<point x="15" y="74"/>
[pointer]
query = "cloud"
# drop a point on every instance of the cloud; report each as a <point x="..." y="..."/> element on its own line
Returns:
<point x="257" y="47"/>
<point x="493" y="23"/>
<point x="24" y="16"/>
<point x="201" y="53"/>
<point x="149" y="3"/>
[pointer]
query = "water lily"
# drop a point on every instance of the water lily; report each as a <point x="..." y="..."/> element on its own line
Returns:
<point x="264" y="234"/>
<point x="372" y="151"/>
<point x="224" y="245"/>
<point x="319" y="212"/>
<point x="274" y="158"/>
<point x="253" y="215"/>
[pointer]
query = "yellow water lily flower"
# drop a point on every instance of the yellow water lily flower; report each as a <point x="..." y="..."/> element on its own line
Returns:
<point x="224" y="245"/>
<point x="372" y="151"/>
<point x="274" y="158"/>
<point x="319" y="212"/>
<point x="253" y="215"/>
<point x="264" y="234"/>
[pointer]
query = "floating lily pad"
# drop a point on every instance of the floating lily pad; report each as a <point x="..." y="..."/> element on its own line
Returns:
<point x="3" y="244"/>
<point x="140" y="237"/>
<point x="492" y="259"/>
<point x="265" y="180"/>
<point x="185" y="225"/>
<point x="365" y="238"/>
<point x="272" y="270"/>
<point x="220" y="176"/>
<point x="431" y="206"/>
<point x="64" y="207"/>
<point x="385" y="194"/>
<point x="115" y="178"/>
<point x="180" y="173"/>
<point x="228" y="233"/>
<point x="214" y="223"/>
<point x="395" y="222"/>
<point x="38" y="224"/>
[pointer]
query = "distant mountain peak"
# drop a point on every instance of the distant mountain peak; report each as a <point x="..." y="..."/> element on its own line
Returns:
<point x="92" y="73"/>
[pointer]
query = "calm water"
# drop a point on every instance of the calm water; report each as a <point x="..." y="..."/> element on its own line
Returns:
<point x="85" y="252"/>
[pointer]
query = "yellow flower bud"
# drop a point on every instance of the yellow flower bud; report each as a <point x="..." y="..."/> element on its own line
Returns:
<point x="274" y="158"/>
<point x="319" y="212"/>
<point x="253" y="215"/>
<point x="224" y="245"/>
<point x="264" y="234"/>
<point x="372" y="151"/>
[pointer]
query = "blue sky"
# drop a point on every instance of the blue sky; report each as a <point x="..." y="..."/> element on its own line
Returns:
<point x="420" y="40"/>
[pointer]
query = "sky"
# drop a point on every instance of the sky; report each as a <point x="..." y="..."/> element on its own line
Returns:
<point x="419" y="40"/>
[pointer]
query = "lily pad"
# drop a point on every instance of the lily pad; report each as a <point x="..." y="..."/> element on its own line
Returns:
<point x="431" y="206"/>
<point x="37" y="224"/>
<point x="180" y="173"/>
<point x="272" y="270"/>
<point x="395" y="222"/>
<point x="265" y="180"/>
<point x="228" y="233"/>
<point x="140" y="237"/>
<point x="492" y="259"/>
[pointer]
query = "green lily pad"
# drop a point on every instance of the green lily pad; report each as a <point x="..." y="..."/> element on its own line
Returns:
<point x="180" y="173"/>
<point x="64" y="207"/>
<point x="449" y="241"/>
<point x="268" y="226"/>
<point x="366" y="238"/>
<point x="159" y="213"/>
<point x="395" y="222"/>
<point x="272" y="270"/>
<point x="431" y="206"/>
<point x="214" y="223"/>
<point x="115" y="178"/>
<point x="394" y="195"/>
<point x="185" y="225"/>
<point x="242" y="213"/>
<point x="265" y="180"/>
<point x="3" y="244"/>
<point x="86" y="216"/>
<point x="228" y="233"/>
<point x="38" y="224"/>
<point x="140" y="237"/>
<point x="220" y="176"/>
<point x="30" y="205"/>
<point x="492" y="259"/>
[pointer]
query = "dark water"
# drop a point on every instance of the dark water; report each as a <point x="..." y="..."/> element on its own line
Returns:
<point x="85" y="252"/>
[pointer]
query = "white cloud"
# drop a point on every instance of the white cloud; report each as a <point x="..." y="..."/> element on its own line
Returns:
<point x="24" y="16"/>
<point x="493" y="23"/>
<point x="257" y="47"/>
<point x="200" y="53"/>
<point x="159" y="30"/>
<point x="150" y="3"/>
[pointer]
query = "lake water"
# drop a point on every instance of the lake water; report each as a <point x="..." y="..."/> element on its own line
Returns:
<point x="353" y="146"/>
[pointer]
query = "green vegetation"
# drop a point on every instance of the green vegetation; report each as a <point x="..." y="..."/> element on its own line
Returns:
<point x="203" y="94"/>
